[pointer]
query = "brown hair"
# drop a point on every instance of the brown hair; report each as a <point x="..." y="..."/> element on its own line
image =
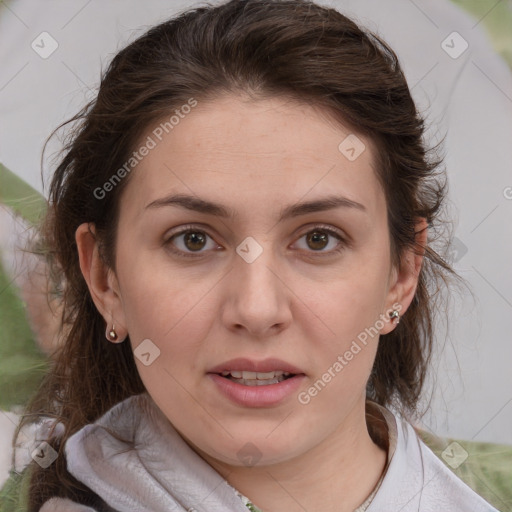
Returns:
<point x="290" y="48"/>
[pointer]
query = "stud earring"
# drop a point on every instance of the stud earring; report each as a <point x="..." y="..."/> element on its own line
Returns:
<point x="395" y="317"/>
<point x="112" y="334"/>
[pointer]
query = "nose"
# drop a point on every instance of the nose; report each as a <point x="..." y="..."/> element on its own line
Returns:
<point x="258" y="300"/>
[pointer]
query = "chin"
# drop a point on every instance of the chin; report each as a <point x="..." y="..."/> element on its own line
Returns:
<point x="253" y="449"/>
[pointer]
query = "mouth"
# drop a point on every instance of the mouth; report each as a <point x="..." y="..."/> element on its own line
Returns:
<point x="251" y="383"/>
<point x="248" y="378"/>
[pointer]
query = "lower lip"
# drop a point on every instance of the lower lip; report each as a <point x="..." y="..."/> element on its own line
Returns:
<point x="257" y="396"/>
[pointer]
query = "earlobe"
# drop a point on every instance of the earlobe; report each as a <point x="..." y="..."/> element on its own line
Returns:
<point x="99" y="278"/>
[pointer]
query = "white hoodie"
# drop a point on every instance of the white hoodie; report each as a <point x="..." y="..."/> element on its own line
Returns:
<point x="135" y="460"/>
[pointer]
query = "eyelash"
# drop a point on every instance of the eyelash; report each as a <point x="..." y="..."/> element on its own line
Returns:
<point x="191" y="229"/>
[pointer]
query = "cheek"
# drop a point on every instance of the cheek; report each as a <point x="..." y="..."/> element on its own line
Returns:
<point x="170" y="308"/>
<point x="175" y="316"/>
<point x="349" y="314"/>
<point x="155" y="296"/>
<point x="341" y="361"/>
<point x="351" y="301"/>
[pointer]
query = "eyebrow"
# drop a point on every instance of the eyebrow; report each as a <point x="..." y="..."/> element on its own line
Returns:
<point x="295" y="210"/>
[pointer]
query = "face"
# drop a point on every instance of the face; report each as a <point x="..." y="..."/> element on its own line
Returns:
<point x="259" y="283"/>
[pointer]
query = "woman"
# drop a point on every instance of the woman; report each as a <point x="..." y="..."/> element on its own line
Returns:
<point x="242" y="221"/>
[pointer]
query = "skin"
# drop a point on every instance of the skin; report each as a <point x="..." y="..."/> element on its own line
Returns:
<point x="292" y="303"/>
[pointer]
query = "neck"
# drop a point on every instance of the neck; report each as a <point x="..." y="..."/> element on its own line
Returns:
<point x="335" y="476"/>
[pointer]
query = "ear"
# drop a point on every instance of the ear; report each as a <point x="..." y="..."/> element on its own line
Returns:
<point x="404" y="281"/>
<point x="101" y="280"/>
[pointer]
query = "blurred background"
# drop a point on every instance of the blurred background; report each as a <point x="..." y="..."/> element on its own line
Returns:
<point x="457" y="57"/>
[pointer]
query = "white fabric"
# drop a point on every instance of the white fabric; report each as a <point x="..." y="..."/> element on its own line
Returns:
<point x="417" y="481"/>
<point x="155" y="470"/>
<point x="63" y="505"/>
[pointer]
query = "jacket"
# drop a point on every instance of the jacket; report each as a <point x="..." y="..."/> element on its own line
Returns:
<point x="132" y="459"/>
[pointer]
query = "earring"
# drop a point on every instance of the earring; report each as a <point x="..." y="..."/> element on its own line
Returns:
<point x="395" y="315"/>
<point x="112" y="334"/>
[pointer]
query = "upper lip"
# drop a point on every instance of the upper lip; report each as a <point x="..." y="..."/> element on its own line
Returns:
<point x="267" y="365"/>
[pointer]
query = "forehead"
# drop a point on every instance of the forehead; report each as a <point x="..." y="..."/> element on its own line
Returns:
<point x="233" y="150"/>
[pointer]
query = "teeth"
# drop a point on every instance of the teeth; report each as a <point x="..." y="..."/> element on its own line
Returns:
<point x="256" y="378"/>
<point x="258" y="382"/>
<point x="254" y="375"/>
<point x="262" y="376"/>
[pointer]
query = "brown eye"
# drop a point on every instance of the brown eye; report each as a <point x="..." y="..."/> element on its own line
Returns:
<point x="194" y="240"/>
<point x="322" y="240"/>
<point x="189" y="241"/>
<point x="317" y="240"/>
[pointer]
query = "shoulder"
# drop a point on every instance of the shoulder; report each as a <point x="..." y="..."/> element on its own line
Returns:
<point x="47" y="490"/>
<point x="485" y="467"/>
<point x="32" y="488"/>
<point x="443" y="488"/>
<point x="417" y="479"/>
